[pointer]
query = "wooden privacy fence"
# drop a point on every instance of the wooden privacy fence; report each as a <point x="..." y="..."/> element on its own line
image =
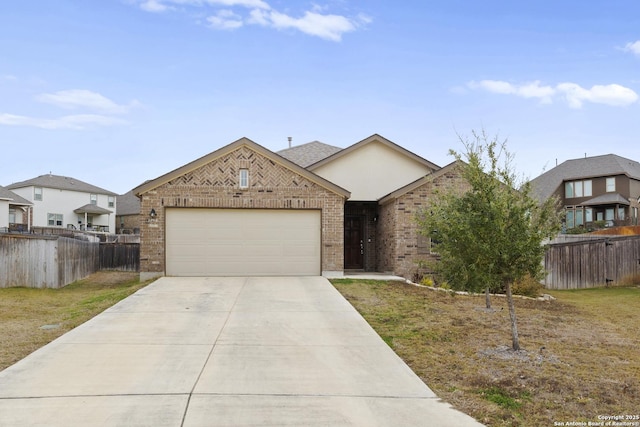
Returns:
<point x="120" y="256"/>
<point x="591" y="263"/>
<point x="45" y="262"/>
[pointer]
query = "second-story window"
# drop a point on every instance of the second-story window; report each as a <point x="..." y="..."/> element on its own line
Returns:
<point x="112" y="201"/>
<point x="577" y="189"/>
<point x="243" y="180"/>
<point x="94" y="199"/>
<point x="37" y="193"/>
<point x="611" y="185"/>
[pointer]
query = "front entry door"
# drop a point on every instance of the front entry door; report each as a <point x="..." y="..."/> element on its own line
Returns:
<point x="353" y="243"/>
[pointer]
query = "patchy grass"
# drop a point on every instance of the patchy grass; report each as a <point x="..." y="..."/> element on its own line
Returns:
<point x="31" y="318"/>
<point x="579" y="360"/>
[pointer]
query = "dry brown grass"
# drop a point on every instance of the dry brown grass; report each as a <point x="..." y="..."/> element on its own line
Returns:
<point x="580" y="356"/>
<point x="31" y="318"/>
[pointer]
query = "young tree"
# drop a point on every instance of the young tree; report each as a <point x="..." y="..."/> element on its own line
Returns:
<point x="491" y="235"/>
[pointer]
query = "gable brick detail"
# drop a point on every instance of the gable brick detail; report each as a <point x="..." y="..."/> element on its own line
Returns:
<point x="215" y="185"/>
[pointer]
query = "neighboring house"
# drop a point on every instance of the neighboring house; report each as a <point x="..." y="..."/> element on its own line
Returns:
<point x="600" y="188"/>
<point x="65" y="202"/>
<point x="15" y="211"/>
<point x="127" y="214"/>
<point x="308" y="210"/>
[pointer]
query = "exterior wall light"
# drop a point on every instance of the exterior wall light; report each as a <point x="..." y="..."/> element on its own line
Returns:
<point x="152" y="214"/>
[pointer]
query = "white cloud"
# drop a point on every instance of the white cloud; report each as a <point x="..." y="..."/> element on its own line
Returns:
<point x="80" y="98"/>
<point x="314" y="22"/>
<point x="73" y="122"/>
<point x="574" y="94"/>
<point x="329" y="27"/>
<point x="613" y="94"/>
<point x="633" y="47"/>
<point x="153" y="6"/>
<point x="527" y="90"/>
<point x="225" y="20"/>
<point x="164" y="5"/>
<point x="249" y="4"/>
<point x="76" y="99"/>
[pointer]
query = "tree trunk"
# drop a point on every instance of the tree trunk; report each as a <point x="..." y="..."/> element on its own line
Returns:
<point x="487" y="298"/>
<point x="514" y="324"/>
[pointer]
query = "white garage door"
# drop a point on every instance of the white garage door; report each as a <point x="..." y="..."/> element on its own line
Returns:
<point x="242" y="242"/>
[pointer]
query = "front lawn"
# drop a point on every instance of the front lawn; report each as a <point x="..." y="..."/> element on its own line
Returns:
<point x="30" y="318"/>
<point x="580" y="356"/>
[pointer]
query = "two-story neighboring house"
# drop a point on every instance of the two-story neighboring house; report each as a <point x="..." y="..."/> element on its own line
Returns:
<point x="15" y="211"/>
<point x="600" y="188"/>
<point x="65" y="202"/>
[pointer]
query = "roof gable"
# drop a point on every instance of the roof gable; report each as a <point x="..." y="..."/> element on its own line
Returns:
<point x="60" y="183"/>
<point x="373" y="138"/>
<point x="242" y="142"/>
<point x="373" y="168"/>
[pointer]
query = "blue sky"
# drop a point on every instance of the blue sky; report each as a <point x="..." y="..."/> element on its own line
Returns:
<point x="115" y="92"/>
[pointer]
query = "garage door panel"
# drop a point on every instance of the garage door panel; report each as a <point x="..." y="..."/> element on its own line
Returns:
<point x="242" y="242"/>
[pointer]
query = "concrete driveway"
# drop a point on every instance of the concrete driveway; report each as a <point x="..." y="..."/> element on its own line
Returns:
<point x="222" y="352"/>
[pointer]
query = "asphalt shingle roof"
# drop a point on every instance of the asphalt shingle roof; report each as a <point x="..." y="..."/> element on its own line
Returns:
<point x="587" y="167"/>
<point x="6" y="194"/>
<point x="60" y="183"/>
<point x="307" y="154"/>
<point x="127" y="204"/>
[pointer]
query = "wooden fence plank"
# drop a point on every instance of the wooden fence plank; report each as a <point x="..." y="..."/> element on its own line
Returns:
<point x="120" y="256"/>
<point x="45" y="262"/>
<point x="591" y="263"/>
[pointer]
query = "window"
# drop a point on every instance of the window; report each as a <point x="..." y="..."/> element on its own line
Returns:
<point x="579" y="217"/>
<point x="577" y="189"/>
<point x="611" y="184"/>
<point x="588" y="215"/>
<point x="94" y="199"/>
<point x="568" y="190"/>
<point x="37" y="193"/>
<point x="621" y="213"/>
<point x="569" y="219"/>
<point x="12" y="216"/>
<point x="434" y="241"/>
<point x="244" y="178"/>
<point x="112" y="201"/>
<point x="54" y="220"/>
<point x="608" y="214"/>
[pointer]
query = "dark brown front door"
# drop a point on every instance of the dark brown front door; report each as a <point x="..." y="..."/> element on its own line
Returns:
<point x="353" y="243"/>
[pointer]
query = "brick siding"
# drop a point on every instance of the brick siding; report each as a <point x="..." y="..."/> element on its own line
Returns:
<point x="215" y="185"/>
<point x="398" y="246"/>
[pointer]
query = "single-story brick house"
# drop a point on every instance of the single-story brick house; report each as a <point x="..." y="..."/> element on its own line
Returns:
<point x="307" y="210"/>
